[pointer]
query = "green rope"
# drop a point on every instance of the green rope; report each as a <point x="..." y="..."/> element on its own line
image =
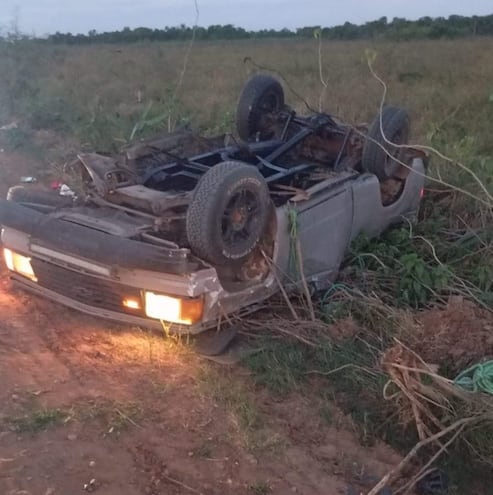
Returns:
<point x="477" y="378"/>
<point x="293" y="223"/>
<point x="334" y="288"/>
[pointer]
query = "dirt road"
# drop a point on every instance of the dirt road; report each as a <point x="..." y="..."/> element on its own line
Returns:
<point x="83" y="400"/>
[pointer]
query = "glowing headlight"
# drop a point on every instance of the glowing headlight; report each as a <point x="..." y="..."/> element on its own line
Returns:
<point x="19" y="263"/>
<point x="173" y="309"/>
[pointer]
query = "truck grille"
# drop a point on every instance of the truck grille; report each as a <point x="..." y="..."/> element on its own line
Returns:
<point x="86" y="289"/>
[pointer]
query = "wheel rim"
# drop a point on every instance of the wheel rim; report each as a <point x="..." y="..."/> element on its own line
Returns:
<point x="265" y="109"/>
<point x="269" y="103"/>
<point x="239" y="220"/>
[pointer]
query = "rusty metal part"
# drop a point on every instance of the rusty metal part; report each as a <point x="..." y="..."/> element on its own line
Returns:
<point x="149" y="200"/>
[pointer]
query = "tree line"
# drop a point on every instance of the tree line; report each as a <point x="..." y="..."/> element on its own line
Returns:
<point x="455" y="26"/>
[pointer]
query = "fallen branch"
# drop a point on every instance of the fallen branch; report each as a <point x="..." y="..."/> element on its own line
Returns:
<point x="460" y="424"/>
<point x="280" y="285"/>
<point x="425" y="469"/>
<point x="340" y="368"/>
<point x="126" y="418"/>
<point x="292" y="329"/>
<point x="183" y="485"/>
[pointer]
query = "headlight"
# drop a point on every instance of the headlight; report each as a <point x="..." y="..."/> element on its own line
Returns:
<point x="173" y="309"/>
<point x="19" y="264"/>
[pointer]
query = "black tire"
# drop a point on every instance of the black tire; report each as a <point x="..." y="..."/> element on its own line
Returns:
<point x="262" y="96"/>
<point x="396" y="126"/>
<point x="228" y="213"/>
<point x="26" y="194"/>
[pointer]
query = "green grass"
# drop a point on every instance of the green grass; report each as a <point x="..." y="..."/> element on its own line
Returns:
<point x="38" y="420"/>
<point x="414" y="266"/>
<point x="284" y="367"/>
<point x="204" y="451"/>
<point x="114" y="416"/>
<point x="250" y="427"/>
<point x="260" y="488"/>
<point x="233" y="393"/>
<point x="100" y="93"/>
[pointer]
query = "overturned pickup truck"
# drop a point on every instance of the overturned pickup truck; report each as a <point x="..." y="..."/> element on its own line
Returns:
<point x="185" y="230"/>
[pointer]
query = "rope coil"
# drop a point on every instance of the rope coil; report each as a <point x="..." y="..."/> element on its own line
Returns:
<point x="477" y="378"/>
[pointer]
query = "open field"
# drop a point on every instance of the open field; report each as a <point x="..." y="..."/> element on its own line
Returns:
<point x="99" y="96"/>
<point x="82" y="399"/>
<point x="98" y="93"/>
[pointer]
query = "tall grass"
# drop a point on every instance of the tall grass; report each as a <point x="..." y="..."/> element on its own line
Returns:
<point x="100" y="96"/>
<point x="446" y="84"/>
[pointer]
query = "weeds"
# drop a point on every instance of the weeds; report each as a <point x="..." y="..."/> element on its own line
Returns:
<point x="15" y="138"/>
<point x="234" y="394"/>
<point x="114" y="416"/>
<point x="120" y="82"/>
<point x="238" y="399"/>
<point x="413" y="267"/>
<point x="284" y="367"/>
<point x="260" y="488"/>
<point x="204" y="451"/>
<point x="38" y="420"/>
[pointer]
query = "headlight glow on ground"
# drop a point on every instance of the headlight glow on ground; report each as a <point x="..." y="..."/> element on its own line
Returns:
<point x="19" y="264"/>
<point x="173" y="309"/>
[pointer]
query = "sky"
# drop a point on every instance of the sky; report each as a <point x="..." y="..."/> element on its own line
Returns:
<point x="41" y="17"/>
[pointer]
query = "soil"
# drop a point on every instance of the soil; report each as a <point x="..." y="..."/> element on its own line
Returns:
<point x="456" y="336"/>
<point x="136" y="417"/>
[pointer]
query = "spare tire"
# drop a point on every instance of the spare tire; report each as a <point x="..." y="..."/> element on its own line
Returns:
<point x="27" y="194"/>
<point x="261" y="98"/>
<point x="380" y="157"/>
<point x="228" y="213"/>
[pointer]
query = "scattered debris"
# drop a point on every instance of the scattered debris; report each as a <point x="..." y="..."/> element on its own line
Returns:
<point x="66" y="191"/>
<point x="434" y="483"/>
<point x="439" y="408"/>
<point x="28" y="180"/>
<point x="91" y="486"/>
<point x="477" y="378"/>
<point x="9" y="127"/>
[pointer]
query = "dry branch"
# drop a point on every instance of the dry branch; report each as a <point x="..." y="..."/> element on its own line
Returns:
<point x="391" y="475"/>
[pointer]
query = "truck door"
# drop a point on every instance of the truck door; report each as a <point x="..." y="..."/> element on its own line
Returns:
<point x="323" y="226"/>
